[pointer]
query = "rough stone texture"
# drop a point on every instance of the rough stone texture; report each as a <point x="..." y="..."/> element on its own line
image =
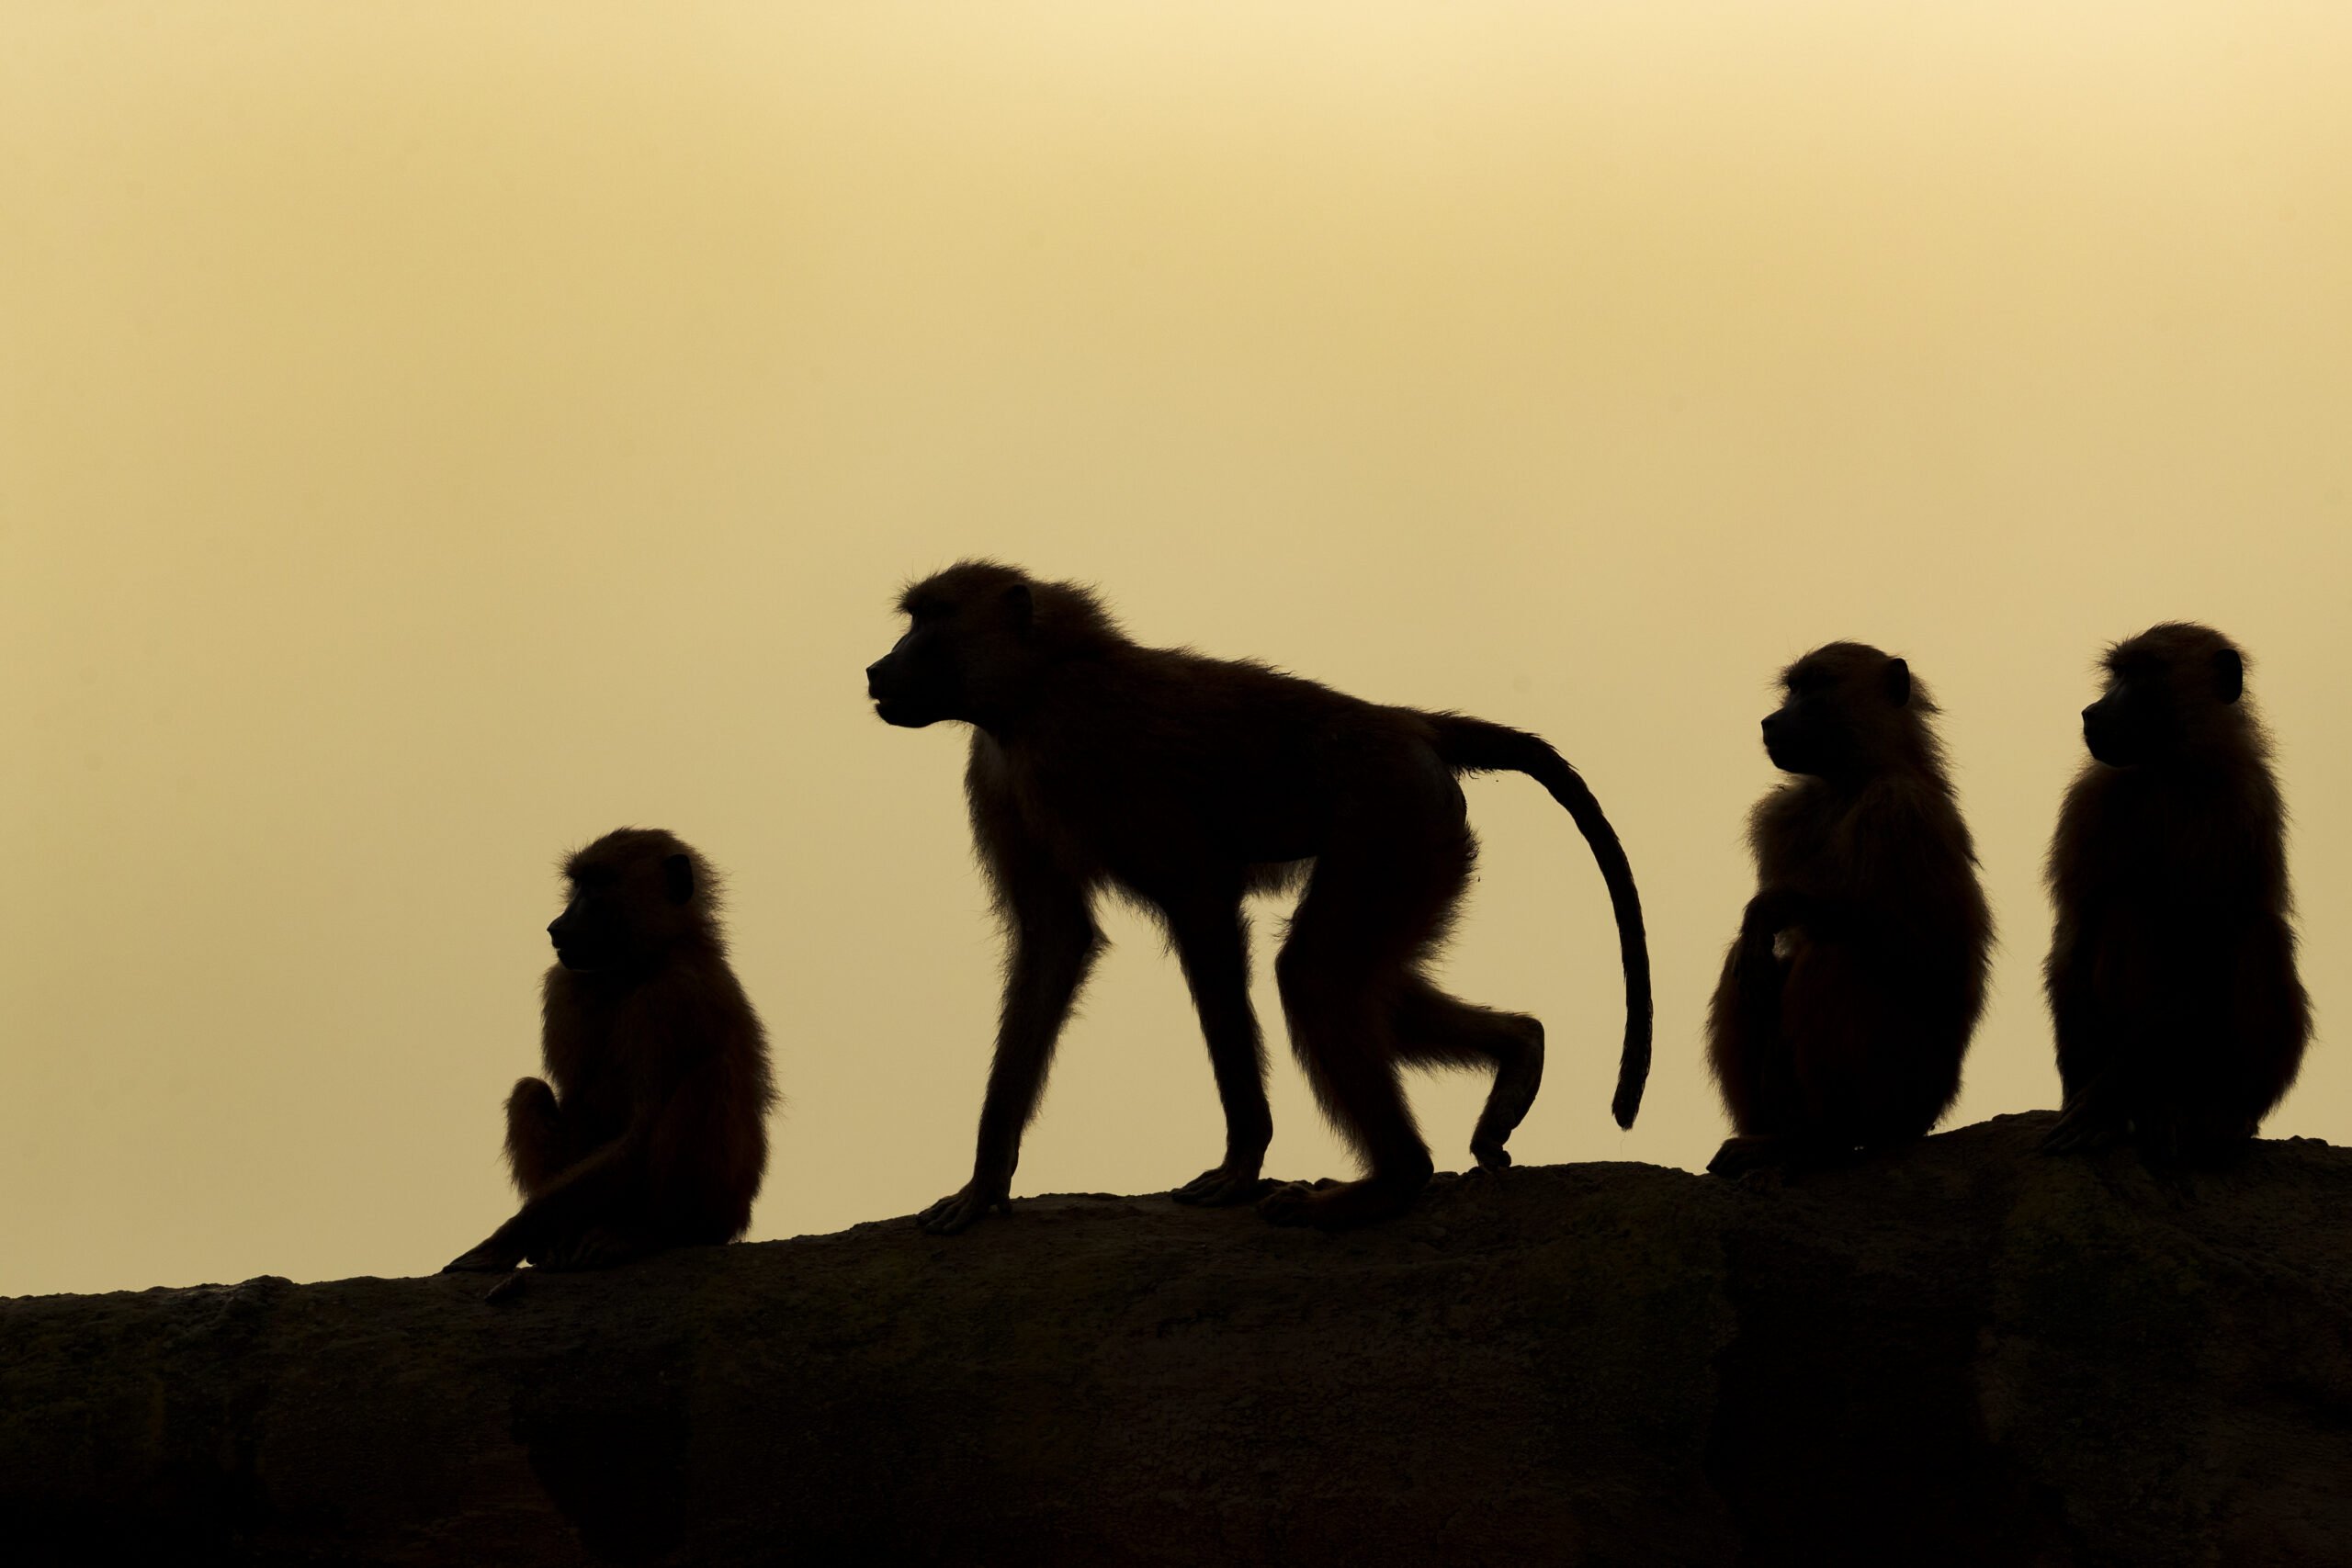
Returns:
<point x="1967" y="1354"/>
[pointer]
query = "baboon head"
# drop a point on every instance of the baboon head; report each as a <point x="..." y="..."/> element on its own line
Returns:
<point x="984" y="642"/>
<point x="635" y="893"/>
<point x="2171" y="692"/>
<point x="971" y="637"/>
<point x="1850" y="710"/>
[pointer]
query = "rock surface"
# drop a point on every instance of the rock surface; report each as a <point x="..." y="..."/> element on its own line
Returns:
<point x="1964" y="1354"/>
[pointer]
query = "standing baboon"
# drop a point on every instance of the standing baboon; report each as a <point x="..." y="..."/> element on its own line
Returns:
<point x="2171" y="975"/>
<point x="1186" y="781"/>
<point x="1848" y="997"/>
<point x="654" y="1133"/>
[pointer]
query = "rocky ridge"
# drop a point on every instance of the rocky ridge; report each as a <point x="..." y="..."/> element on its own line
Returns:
<point x="1966" y="1353"/>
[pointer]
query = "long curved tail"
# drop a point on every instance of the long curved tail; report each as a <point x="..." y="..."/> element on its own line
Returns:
<point x="1473" y="746"/>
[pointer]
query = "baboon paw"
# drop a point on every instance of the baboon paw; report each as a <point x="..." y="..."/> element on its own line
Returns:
<point x="487" y="1258"/>
<point x="1221" y="1188"/>
<point x="1490" y="1156"/>
<point x="961" y="1211"/>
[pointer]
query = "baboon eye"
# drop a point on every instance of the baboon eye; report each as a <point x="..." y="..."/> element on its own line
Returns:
<point x="2229" y="674"/>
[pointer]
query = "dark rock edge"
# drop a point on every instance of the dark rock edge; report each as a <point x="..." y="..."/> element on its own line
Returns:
<point x="1962" y="1353"/>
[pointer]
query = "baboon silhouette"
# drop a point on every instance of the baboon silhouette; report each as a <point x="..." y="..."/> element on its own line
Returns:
<point x="1185" y="782"/>
<point x="2171" y="978"/>
<point x="1848" y="997"/>
<point x="653" y="1131"/>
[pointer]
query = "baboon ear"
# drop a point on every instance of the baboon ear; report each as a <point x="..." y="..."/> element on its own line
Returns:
<point x="677" y="878"/>
<point x="2229" y="674"/>
<point x="1022" y="606"/>
<point x="1898" y="683"/>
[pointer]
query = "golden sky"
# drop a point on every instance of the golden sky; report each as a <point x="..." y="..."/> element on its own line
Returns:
<point x="433" y="435"/>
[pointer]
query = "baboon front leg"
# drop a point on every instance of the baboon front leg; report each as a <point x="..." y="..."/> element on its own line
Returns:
<point x="1434" y="1029"/>
<point x="1054" y="941"/>
<point x="2093" y="1108"/>
<point x="1213" y="944"/>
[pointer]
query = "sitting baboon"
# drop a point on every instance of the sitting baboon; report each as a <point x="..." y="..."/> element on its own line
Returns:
<point x="2171" y="976"/>
<point x="1848" y="997"/>
<point x="654" y="1132"/>
<point x="1184" y="783"/>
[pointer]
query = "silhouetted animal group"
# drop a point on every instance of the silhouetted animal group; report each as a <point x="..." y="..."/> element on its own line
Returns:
<point x="1184" y="783"/>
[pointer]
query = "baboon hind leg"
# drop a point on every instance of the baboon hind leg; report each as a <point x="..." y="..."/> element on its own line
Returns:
<point x="1434" y="1029"/>
<point x="1380" y="897"/>
<point x="537" y="1146"/>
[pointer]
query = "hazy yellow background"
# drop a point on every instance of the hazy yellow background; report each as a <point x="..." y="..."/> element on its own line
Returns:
<point x="433" y="435"/>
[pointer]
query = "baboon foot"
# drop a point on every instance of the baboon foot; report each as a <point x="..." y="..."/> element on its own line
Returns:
<point x="1343" y="1204"/>
<point x="2215" y="1141"/>
<point x="598" y="1246"/>
<point x="1233" y="1182"/>
<point x="1789" y="1155"/>
<point x="1508" y="1101"/>
<point x="1746" y="1152"/>
<point x="2085" y="1129"/>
